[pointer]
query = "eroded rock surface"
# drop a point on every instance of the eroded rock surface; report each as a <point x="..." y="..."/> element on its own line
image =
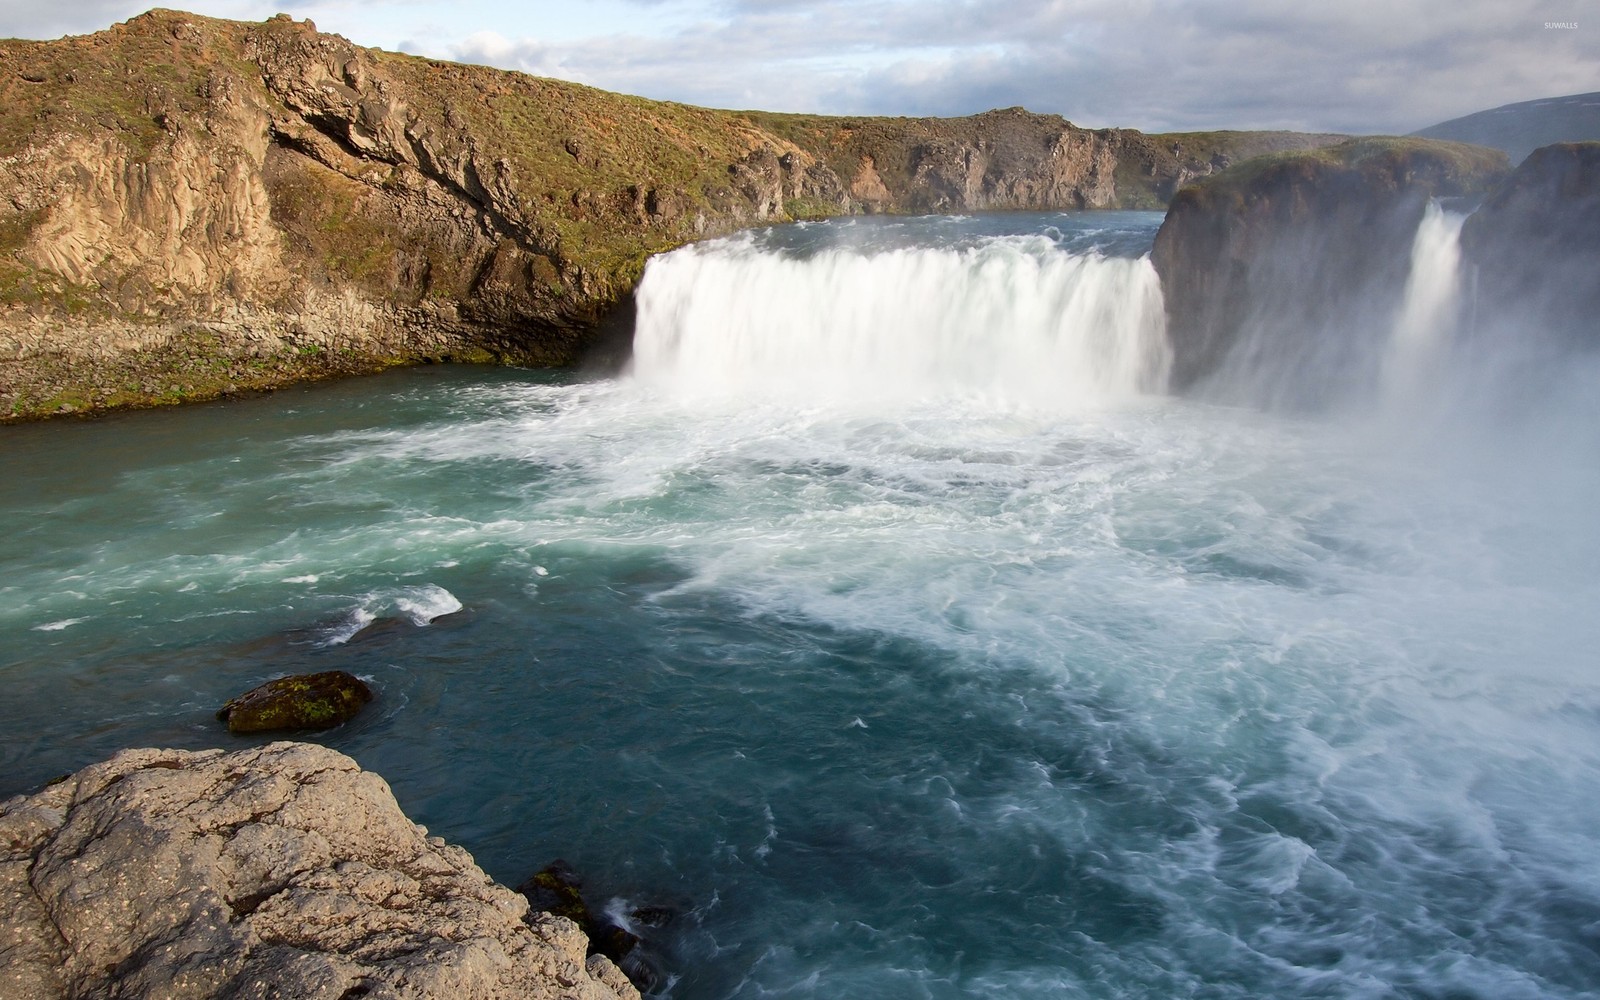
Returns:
<point x="1534" y="247"/>
<point x="1282" y="274"/>
<point x="284" y="872"/>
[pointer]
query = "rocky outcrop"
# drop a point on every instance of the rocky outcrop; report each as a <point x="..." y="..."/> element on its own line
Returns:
<point x="1011" y="159"/>
<point x="284" y="871"/>
<point x="1534" y="249"/>
<point x="1281" y="274"/>
<point x="196" y="206"/>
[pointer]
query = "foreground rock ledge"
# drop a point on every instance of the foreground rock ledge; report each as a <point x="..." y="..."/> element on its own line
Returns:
<point x="284" y="871"/>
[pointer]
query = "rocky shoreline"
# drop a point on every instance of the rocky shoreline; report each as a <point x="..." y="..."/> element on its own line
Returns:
<point x="281" y="871"/>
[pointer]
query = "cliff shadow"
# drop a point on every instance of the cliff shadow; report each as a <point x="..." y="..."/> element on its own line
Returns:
<point x="608" y="354"/>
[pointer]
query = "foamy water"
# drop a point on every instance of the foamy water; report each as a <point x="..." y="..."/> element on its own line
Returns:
<point x="964" y="687"/>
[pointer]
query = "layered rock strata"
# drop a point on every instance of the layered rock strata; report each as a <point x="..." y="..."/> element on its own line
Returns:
<point x="284" y="871"/>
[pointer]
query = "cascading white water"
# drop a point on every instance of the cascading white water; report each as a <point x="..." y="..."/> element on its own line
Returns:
<point x="1152" y="701"/>
<point x="1430" y="308"/>
<point x="1013" y="318"/>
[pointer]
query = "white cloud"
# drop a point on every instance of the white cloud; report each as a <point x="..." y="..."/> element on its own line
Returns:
<point x="1361" y="65"/>
<point x="1366" y="65"/>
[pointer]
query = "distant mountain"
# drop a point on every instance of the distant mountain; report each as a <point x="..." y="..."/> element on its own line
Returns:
<point x="1519" y="129"/>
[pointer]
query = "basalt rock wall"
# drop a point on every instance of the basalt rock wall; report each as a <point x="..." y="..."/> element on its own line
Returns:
<point x="1533" y="250"/>
<point x="1281" y="276"/>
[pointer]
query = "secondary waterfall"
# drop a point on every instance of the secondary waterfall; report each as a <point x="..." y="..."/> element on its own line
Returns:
<point x="1018" y="318"/>
<point x="1432" y="305"/>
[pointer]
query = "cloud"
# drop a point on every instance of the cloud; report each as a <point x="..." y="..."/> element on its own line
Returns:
<point x="1362" y="66"/>
<point x="31" y="19"/>
<point x="1358" y="66"/>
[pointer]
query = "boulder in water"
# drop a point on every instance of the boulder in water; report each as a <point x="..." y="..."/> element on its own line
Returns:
<point x="301" y="701"/>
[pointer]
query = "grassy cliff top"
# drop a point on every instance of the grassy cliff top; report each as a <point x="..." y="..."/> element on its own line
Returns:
<point x="1376" y="163"/>
<point x="145" y="77"/>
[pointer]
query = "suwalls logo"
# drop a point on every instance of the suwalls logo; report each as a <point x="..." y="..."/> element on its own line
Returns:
<point x="1561" y="26"/>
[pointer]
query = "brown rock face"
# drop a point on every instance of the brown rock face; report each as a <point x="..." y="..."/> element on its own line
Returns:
<point x="196" y="206"/>
<point x="1535" y="248"/>
<point x="1282" y="274"/>
<point x="284" y="871"/>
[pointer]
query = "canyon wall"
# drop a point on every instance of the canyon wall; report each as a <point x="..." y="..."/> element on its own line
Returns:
<point x="1281" y="276"/>
<point x="195" y="206"/>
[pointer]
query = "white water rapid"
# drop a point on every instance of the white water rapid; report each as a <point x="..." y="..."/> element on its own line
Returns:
<point x="895" y="633"/>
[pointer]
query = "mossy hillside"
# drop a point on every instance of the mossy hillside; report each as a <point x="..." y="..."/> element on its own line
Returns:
<point x="1147" y="164"/>
<point x="344" y="231"/>
<point x="135" y="80"/>
<point x="1373" y="163"/>
<point x="579" y="159"/>
<point x="1151" y="167"/>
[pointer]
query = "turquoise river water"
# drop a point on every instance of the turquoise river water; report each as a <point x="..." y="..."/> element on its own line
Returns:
<point x="889" y="623"/>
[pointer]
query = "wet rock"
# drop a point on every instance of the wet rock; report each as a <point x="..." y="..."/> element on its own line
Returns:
<point x="282" y="871"/>
<point x="301" y="701"/>
<point x="1280" y="272"/>
<point x="557" y="890"/>
<point x="1534" y="247"/>
<point x="653" y="916"/>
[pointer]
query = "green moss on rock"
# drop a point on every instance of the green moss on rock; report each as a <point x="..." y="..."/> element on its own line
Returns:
<point x="301" y="701"/>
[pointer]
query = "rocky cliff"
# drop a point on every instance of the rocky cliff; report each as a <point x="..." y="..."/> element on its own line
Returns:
<point x="1534" y="249"/>
<point x="284" y="871"/>
<point x="1281" y="275"/>
<point x="194" y="206"/>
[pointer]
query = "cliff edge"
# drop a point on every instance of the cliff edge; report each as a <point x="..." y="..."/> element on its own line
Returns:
<point x="283" y="871"/>
<point x="1281" y="275"/>
<point x="197" y="206"/>
<point x="1534" y="249"/>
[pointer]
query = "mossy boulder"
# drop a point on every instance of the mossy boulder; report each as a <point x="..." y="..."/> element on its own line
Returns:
<point x="555" y="888"/>
<point x="301" y="701"/>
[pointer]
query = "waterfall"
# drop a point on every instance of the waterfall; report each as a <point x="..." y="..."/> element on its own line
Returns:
<point x="1430" y="309"/>
<point x="1011" y="318"/>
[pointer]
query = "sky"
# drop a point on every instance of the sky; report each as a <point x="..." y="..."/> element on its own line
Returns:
<point x="1359" y="66"/>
